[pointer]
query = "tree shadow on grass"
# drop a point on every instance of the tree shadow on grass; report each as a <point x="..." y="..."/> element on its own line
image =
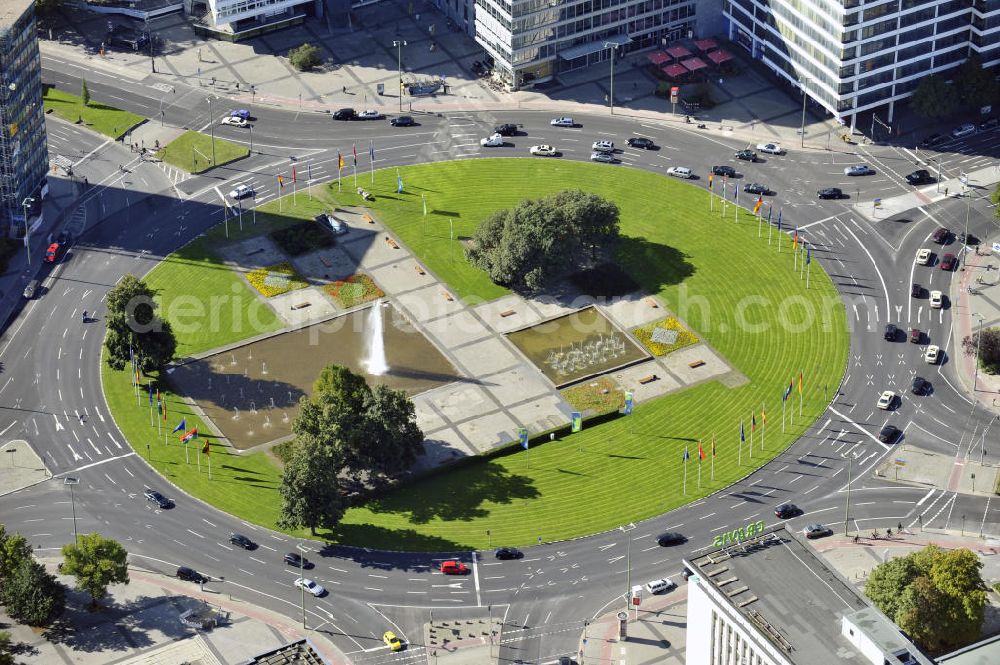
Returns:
<point x="404" y="549"/>
<point x="652" y="264"/>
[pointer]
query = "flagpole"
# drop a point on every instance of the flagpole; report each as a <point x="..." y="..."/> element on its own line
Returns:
<point x="685" y="472"/>
<point x="760" y="219"/>
<point x="795" y="251"/>
<point x="295" y="189"/>
<point x="763" y="425"/>
<point x="713" y="457"/>
<point x="150" y="389"/>
<point x="309" y="180"/>
<point x="739" y="456"/>
<point x="699" y="471"/>
<point x="783" y="400"/>
<point x="808" y="270"/>
<point x="752" y="428"/>
<point x="187" y="457"/>
<point x="371" y="155"/>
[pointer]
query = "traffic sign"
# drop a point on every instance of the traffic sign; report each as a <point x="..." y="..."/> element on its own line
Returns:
<point x="996" y="247"/>
<point x="899" y="462"/>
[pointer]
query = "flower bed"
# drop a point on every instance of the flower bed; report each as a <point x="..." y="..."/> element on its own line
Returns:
<point x="354" y="290"/>
<point x="597" y="397"/>
<point x="302" y="238"/>
<point x="275" y="280"/>
<point x="647" y="336"/>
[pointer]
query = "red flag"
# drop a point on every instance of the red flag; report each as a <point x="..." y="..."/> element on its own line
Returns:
<point x="355" y="149"/>
<point x="190" y="434"/>
<point x="701" y="453"/>
<point x="293" y="174"/>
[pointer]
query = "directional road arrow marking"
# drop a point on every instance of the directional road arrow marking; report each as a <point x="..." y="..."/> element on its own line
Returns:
<point x="453" y="585"/>
<point x="616" y="558"/>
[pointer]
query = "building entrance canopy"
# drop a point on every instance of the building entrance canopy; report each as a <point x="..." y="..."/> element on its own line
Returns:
<point x="593" y="47"/>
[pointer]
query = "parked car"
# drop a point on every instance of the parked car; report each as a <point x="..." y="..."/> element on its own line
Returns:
<point x="947" y="262"/>
<point x="371" y="114"/>
<point x="886" y="400"/>
<point x="241" y="192"/>
<point x="669" y="538"/>
<point x="919" y="385"/>
<point x="235" y="121"/>
<point x="786" y="511"/>
<point x="858" y="169"/>
<point x="493" y="141"/>
<point x="915" y="335"/>
<point x="936" y="299"/>
<point x="603" y="146"/>
<point x="924" y="256"/>
<point x="770" y="148"/>
<point x="564" y="121"/>
<point x="310" y="586"/>
<point x="757" y="188"/>
<point x="963" y="130"/>
<point x="345" y="114"/>
<point x="543" y="150"/>
<point x="830" y="193"/>
<point x="392" y="641"/>
<point x="660" y="585"/>
<point x="640" y="142"/>
<point x="990" y="123"/>
<point x="242" y="114"/>
<point x="916" y="290"/>
<point x="52" y="253"/>
<point x="157" y="498"/>
<point x="505" y="553"/>
<point x="932" y="355"/>
<point x="191" y="575"/>
<point x="605" y="157"/>
<point x="31" y="289"/>
<point x="817" y="531"/>
<point x="931" y="140"/>
<point x="402" y="121"/>
<point x="453" y="567"/>
<point x="727" y="171"/>
<point x="297" y="560"/>
<point x="506" y="129"/>
<point x="940" y="235"/>
<point x="919" y="177"/>
<point x="889" y="434"/>
<point x="890" y="332"/>
<point x="240" y="540"/>
<point x="679" y="172"/>
<point x="746" y="155"/>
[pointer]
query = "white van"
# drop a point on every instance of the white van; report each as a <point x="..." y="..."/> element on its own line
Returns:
<point x="659" y="586"/>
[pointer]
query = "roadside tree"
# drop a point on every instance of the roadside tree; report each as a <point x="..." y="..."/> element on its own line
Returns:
<point x="97" y="562"/>
<point x="986" y="343"/>
<point x="14" y="549"/>
<point x="933" y="98"/>
<point x="310" y="487"/>
<point x="976" y="86"/>
<point x="305" y="57"/>
<point x="135" y="329"/>
<point x="84" y="92"/>
<point x="32" y="595"/>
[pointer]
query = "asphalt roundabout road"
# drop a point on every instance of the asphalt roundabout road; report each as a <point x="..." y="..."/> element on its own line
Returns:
<point x="734" y="281"/>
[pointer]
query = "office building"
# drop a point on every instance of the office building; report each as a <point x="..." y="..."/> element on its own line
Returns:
<point x="855" y="57"/>
<point x="23" y="148"/>
<point x="234" y="20"/>
<point x="770" y="600"/>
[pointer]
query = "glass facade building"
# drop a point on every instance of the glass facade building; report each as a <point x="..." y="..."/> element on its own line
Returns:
<point x="23" y="145"/>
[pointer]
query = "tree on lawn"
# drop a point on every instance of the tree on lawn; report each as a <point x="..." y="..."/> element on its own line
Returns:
<point x="97" y="562"/>
<point x="304" y="57"/>
<point x="988" y="342"/>
<point x="84" y="92"/>
<point x="14" y="549"/>
<point x="976" y="86"/>
<point x="33" y="596"/>
<point x="933" y="98"/>
<point x="310" y="487"/>
<point x="134" y="327"/>
<point x="539" y="240"/>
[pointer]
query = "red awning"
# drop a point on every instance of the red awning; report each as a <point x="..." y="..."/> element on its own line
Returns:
<point x="658" y="57"/>
<point x="705" y="45"/>
<point x="694" y="64"/>
<point x="674" y="71"/>
<point x="678" y="52"/>
<point x="719" y="57"/>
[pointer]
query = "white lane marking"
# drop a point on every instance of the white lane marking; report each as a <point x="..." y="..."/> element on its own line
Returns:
<point x="475" y="577"/>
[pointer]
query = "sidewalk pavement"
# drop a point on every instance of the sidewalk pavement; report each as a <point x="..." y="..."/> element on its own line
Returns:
<point x="20" y="467"/>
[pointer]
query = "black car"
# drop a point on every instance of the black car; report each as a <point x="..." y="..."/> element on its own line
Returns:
<point x="919" y="385"/>
<point x="786" y="510"/>
<point x="727" y="171"/>
<point x="640" y="142"/>
<point x="402" y="121"/>
<point x="916" y="290"/>
<point x="506" y="129"/>
<point x="345" y="114"/>
<point x="746" y="155"/>
<point x="919" y="177"/>
<point x="757" y="188"/>
<point x="988" y="124"/>
<point x="297" y="560"/>
<point x="31" y="290"/>
<point x="191" y="575"/>
<point x="830" y="193"/>
<point x="157" y="498"/>
<point x="508" y="553"/>
<point x="817" y="531"/>
<point x="890" y="332"/>
<point x="933" y="139"/>
<point x="889" y="434"/>
<point x="670" y="538"/>
<point x="242" y="541"/>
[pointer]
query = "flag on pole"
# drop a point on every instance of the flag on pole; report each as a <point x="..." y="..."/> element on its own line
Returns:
<point x="281" y="182"/>
<point x="577" y="419"/>
<point x="736" y="194"/>
<point x="150" y="386"/>
<point x="340" y="161"/>
<point x="701" y="453"/>
<point x="763" y="416"/>
<point x="753" y="423"/>
<point x="800" y="382"/>
<point x="628" y="403"/>
<point x="760" y="202"/>
<point x="191" y="434"/>
<point x="159" y="402"/>
<point x="742" y="433"/>
<point x="309" y="172"/>
<point x="808" y="256"/>
<point x="686" y="454"/>
<point x="371" y="150"/>
<point x="770" y="209"/>
<point x="182" y="425"/>
<point x="294" y="178"/>
<point x="788" y="391"/>
<point x="354" y="149"/>
<point x="710" y="176"/>
<point x="713" y="445"/>
<point x="795" y="239"/>
<point x="424" y="200"/>
<point x="522" y="434"/>
<point x="206" y="449"/>
<point x="399" y="183"/>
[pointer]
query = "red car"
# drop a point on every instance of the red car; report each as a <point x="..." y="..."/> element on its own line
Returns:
<point x="948" y="262"/>
<point x="52" y="253"/>
<point x="454" y="568"/>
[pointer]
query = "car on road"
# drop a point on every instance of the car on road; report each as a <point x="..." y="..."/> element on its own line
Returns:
<point x="859" y="169"/>
<point x="916" y="335"/>
<point x="919" y="177"/>
<point x="988" y="124"/>
<point x="924" y="256"/>
<point x="830" y="193"/>
<point x="403" y="121"/>
<point x="786" y="511"/>
<point x="605" y="157"/>
<point x="889" y="434"/>
<point x="241" y="192"/>
<point x="919" y="385"/>
<point x="933" y="354"/>
<point x="31" y="289"/>
<point x="52" y="253"/>
<point x="564" y="121"/>
<point x="890" y="332"/>
<point x="940" y="235"/>
<point x="242" y="114"/>
<point x="757" y="188"/>
<point x="155" y="497"/>
<point x="963" y="130"/>
<point x="931" y="140"/>
<point x="603" y="146"/>
<point x="660" y="585"/>
<point x="493" y="141"/>
<point x="947" y="262"/>
<point x="770" y="148"/>
<point x="240" y="540"/>
<point x="191" y="575"/>
<point x="506" y="129"/>
<point x="916" y="290"/>
<point x="63" y="238"/>
<point x="668" y="538"/>
<point x="506" y="553"/>
<point x="936" y="299"/>
<point x="886" y="400"/>
<point x="297" y="560"/>
<point x="453" y="567"/>
<point x="679" y="172"/>
<point x="544" y="150"/>
<point x="817" y="531"/>
<point x="746" y="155"/>
<point x="392" y="641"/>
<point x="310" y="586"/>
<point x="345" y="114"/>
<point x="727" y="171"/>
<point x="235" y="121"/>
<point x="640" y="142"/>
<point x="371" y="114"/>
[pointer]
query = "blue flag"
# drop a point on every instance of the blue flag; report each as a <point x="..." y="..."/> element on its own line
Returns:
<point x="628" y="403"/>
<point x="399" y="184"/>
<point x="770" y="209"/>
<point x="808" y="256"/>
<point x="788" y="391"/>
<point x="742" y="434"/>
<point x="150" y="385"/>
<point x="685" y="453"/>
<point x="577" y="419"/>
<point x="779" y="219"/>
<point x="522" y="434"/>
<point x="181" y="426"/>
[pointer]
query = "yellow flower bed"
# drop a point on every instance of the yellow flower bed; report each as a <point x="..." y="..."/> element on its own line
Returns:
<point x="275" y="280"/>
<point x="645" y="335"/>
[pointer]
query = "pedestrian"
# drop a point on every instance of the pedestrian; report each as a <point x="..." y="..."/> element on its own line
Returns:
<point x="899" y="527"/>
<point x="81" y="418"/>
<point x="345" y="89"/>
<point x="86" y="183"/>
<point x="946" y="191"/>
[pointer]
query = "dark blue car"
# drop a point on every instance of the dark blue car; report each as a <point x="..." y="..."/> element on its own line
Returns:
<point x="240" y="113"/>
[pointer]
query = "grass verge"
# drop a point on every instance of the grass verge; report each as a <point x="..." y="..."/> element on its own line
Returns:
<point x="103" y="119"/>
<point x="192" y="151"/>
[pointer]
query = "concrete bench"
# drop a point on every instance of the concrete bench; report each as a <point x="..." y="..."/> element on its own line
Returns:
<point x="420" y="271"/>
<point x="368" y="218"/>
<point x="696" y="363"/>
<point x="301" y="305"/>
<point x="506" y="313"/>
<point x="447" y="296"/>
<point x="651" y="303"/>
<point x="392" y="243"/>
<point x="649" y="378"/>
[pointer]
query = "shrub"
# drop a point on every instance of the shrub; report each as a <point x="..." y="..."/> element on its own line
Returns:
<point x="302" y="238"/>
<point x="354" y="290"/>
<point x="645" y="335"/>
<point x="276" y="280"/>
<point x="304" y="57"/>
<point x="598" y="397"/>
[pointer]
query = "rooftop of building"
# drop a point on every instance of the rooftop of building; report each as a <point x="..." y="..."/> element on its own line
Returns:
<point x="986" y="652"/>
<point x="11" y="10"/>
<point x="780" y="585"/>
<point x="300" y="652"/>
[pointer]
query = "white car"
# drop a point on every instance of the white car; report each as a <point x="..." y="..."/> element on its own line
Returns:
<point x="659" y="586"/>
<point x="770" y="148"/>
<point x="544" y="150"/>
<point x="679" y="172"/>
<point x="936" y="299"/>
<point x="964" y="130"/>
<point x="933" y="354"/>
<point x="858" y="169"/>
<point x="241" y="192"/>
<point x="494" y="141"/>
<point x="605" y="157"/>
<point x="923" y="256"/>
<point x="235" y="121"/>
<point x="886" y="399"/>
<point x="370" y="114"/>
<point x="603" y="146"/>
<point x="310" y="586"/>
<point x="562" y="122"/>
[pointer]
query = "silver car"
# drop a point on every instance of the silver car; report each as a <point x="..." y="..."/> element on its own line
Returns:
<point x="562" y="122"/>
<point x="605" y="157"/>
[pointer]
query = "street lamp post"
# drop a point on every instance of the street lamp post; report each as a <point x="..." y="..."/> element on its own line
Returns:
<point x="399" y="44"/>
<point x="966" y="194"/>
<point x="71" y="481"/>
<point x="211" y="124"/>
<point x="611" y="97"/>
<point x="979" y="337"/>
<point x="847" y="510"/>
<point x="628" y="563"/>
<point x="27" y="242"/>
<point x="302" y="587"/>
<point x="802" y="124"/>
<point x="250" y="127"/>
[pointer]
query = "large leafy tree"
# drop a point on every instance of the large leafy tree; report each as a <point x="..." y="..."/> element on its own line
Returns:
<point x="33" y="596"/>
<point x="97" y="563"/>
<point x="975" y="85"/>
<point x="14" y="549"/>
<point x="933" y="98"/>
<point x="135" y="329"/>
<point x="305" y="57"/>
<point x="310" y="487"/>
<point x="986" y="343"/>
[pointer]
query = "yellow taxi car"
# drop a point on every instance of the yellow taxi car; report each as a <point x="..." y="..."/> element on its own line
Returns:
<point x="392" y="641"/>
